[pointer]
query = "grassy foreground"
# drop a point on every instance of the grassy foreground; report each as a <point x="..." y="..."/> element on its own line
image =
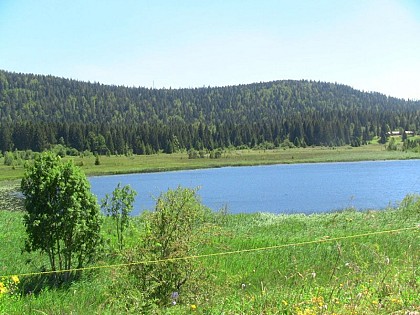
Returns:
<point x="180" y="161"/>
<point x="311" y="272"/>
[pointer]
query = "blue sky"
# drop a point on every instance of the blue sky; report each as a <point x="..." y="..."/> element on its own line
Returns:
<point x="371" y="45"/>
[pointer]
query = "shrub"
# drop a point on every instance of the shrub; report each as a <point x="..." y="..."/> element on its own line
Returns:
<point x="119" y="207"/>
<point x="8" y="158"/>
<point x="193" y="154"/>
<point x="63" y="218"/>
<point x="392" y="145"/>
<point x="170" y="232"/>
<point x="216" y="154"/>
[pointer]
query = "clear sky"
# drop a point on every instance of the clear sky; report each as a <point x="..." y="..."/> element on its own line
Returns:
<point x="371" y="45"/>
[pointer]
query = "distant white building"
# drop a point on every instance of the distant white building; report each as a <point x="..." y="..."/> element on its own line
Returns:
<point x="398" y="133"/>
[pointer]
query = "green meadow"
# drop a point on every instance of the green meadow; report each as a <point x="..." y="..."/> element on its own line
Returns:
<point x="271" y="264"/>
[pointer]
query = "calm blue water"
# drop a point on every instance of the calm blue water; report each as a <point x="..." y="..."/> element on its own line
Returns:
<point x="296" y="188"/>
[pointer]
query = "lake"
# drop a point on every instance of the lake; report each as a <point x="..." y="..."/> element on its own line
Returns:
<point x="285" y="188"/>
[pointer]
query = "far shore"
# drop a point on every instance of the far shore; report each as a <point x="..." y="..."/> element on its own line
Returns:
<point x="112" y="165"/>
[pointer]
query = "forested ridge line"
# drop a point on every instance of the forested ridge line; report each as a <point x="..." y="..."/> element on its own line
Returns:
<point x="37" y="111"/>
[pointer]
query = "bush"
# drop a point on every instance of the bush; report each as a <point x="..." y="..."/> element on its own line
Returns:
<point x="193" y="154"/>
<point x="119" y="207"/>
<point x="171" y="232"/>
<point x="216" y="154"/>
<point x="392" y="145"/>
<point x="8" y="158"/>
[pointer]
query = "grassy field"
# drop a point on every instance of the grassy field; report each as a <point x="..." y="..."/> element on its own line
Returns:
<point x="178" y="161"/>
<point x="310" y="272"/>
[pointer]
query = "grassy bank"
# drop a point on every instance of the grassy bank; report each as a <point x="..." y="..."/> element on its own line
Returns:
<point x="315" y="267"/>
<point x="178" y="161"/>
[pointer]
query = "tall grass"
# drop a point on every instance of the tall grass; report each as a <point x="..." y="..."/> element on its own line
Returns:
<point x="374" y="274"/>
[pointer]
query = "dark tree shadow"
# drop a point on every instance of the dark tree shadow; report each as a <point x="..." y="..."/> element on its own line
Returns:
<point x="34" y="284"/>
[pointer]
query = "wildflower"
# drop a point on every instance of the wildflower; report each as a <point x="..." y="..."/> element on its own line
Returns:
<point x="3" y="288"/>
<point x="396" y="301"/>
<point x="174" y="297"/>
<point x="15" y="279"/>
<point x="306" y="311"/>
<point x="284" y="302"/>
<point x="243" y="286"/>
<point x="193" y="307"/>
<point x="313" y="274"/>
<point x="318" y="300"/>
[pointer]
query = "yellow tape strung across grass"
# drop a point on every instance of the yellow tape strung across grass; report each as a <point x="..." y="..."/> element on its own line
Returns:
<point x="322" y="240"/>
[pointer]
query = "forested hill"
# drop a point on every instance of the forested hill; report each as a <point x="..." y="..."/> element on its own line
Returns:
<point x="38" y="111"/>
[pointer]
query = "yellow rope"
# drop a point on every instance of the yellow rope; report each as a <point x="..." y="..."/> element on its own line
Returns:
<point x="322" y="240"/>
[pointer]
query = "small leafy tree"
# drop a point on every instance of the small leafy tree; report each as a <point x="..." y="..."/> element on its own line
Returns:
<point x="62" y="218"/>
<point x="172" y="231"/>
<point x="119" y="207"/>
<point x="193" y="154"/>
<point x="392" y="145"/>
<point x="8" y="158"/>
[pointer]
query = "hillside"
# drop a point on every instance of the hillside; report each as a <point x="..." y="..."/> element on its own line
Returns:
<point x="37" y="111"/>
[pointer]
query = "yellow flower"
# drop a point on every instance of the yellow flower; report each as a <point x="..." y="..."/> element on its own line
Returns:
<point x="193" y="307"/>
<point x="15" y="279"/>
<point x="396" y="301"/>
<point x="318" y="300"/>
<point x="307" y="311"/>
<point x="3" y="288"/>
<point x="284" y="302"/>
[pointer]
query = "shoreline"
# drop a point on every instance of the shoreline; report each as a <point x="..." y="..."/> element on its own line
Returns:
<point x="137" y="164"/>
<point x="243" y="165"/>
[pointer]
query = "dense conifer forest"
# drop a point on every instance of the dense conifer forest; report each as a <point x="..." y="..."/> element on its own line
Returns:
<point x="37" y="112"/>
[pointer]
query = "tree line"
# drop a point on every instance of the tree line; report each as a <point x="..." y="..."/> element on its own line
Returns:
<point x="37" y="112"/>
